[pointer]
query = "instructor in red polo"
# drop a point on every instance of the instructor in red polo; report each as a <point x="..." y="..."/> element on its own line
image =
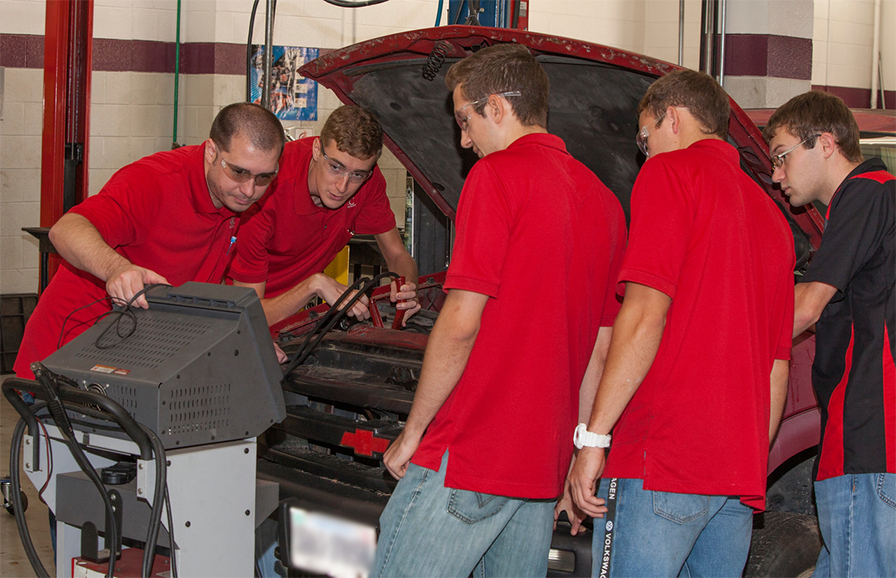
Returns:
<point x="171" y="217"/>
<point x="328" y="190"/>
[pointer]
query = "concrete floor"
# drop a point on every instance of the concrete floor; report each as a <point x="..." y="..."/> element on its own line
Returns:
<point x="13" y="561"/>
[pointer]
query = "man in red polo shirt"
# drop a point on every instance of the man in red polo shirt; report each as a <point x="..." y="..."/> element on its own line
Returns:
<point x="171" y="217"/>
<point x="696" y="376"/>
<point x="849" y="294"/>
<point x="328" y="190"/>
<point x="499" y="391"/>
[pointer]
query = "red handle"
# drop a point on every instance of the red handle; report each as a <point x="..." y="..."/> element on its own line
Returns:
<point x="399" y="313"/>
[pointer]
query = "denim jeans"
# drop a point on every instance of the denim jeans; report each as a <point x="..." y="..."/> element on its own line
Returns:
<point x="652" y="533"/>
<point x="430" y="530"/>
<point x="857" y="517"/>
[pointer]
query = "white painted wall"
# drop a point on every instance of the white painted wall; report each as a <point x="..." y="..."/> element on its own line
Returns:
<point x="132" y="113"/>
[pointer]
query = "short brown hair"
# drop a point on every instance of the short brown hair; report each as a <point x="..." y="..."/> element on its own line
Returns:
<point x="813" y="113"/>
<point x="696" y="91"/>
<point x="256" y="123"/>
<point x="355" y="131"/>
<point x="503" y="68"/>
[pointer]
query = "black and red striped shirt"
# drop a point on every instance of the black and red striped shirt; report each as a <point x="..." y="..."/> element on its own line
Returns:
<point x="854" y="373"/>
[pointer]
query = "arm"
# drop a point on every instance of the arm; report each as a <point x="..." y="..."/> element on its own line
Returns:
<point x="587" y="392"/>
<point x="810" y="299"/>
<point x="636" y="339"/>
<point x="779" y="378"/>
<point x="447" y="353"/>
<point x="400" y="261"/>
<point x="81" y="244"/>
<point x="278" y="308"/>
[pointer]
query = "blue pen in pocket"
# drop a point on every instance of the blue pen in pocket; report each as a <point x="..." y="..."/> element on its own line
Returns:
<point x="230" y="246"/>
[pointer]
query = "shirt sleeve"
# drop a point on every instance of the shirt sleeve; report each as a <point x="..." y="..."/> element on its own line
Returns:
<point x="376" y="214"/>
<point x="127" y="208"/>
<point x="854" y="231"/>
<point x="250" y="263"/>
<point x="484" y="221"/>
<point x="661" y="224"/>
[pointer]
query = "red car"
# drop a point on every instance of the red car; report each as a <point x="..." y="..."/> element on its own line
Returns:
<point x="350" y="396"/>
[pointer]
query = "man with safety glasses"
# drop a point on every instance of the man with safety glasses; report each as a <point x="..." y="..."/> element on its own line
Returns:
<point x="171" y="217"/>
<point x="328" y="190"/>
<point x="848" y="295"/>
<point x="696" y="375"/>
<point x="484" y="452"/>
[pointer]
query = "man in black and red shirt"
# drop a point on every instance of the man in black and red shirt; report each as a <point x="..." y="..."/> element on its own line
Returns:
<point x="848" y="294"/>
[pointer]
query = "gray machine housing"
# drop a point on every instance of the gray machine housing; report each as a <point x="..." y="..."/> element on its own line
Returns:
<point x="198" y="368"/>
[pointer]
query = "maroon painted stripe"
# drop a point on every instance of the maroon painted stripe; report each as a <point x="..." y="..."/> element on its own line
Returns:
<point x="858" y="97"/>
<point x="768" y="55"/>
<point x="21" y="51"/>
<point x="113" y="55"/>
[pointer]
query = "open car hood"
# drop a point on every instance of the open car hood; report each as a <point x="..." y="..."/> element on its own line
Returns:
<point x="595" y="92"/>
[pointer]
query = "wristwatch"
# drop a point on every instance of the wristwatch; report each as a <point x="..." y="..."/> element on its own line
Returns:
<point x="586" y="439"/>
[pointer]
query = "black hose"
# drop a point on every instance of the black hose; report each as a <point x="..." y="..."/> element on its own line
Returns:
<point x="54" y="404"/>
<point x="15" y="498"/>
<point x="330" y="319"/>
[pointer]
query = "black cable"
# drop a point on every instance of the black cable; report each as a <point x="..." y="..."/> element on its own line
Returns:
<point x="330" y="319"/>
<point x="300" y="354"/>
<point x="15" y="498"/>
<point x="159" y="495"/>
<point x="90" y="321"/>
<point x="54" y="404"/>
<point x="128" y="313"/>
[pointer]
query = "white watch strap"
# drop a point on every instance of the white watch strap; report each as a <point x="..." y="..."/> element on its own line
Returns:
<point x="586" y="439"/>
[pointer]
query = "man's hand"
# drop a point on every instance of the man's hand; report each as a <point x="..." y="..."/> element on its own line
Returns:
<point x="583" y="476"/>
<point x="405" y="299"/>
<point x="281" y="355"/>
<point x="573" y="513"/>
<point x="329" y="290"/>
<point x="398" y="456"/>
<point x="129" y="280"/>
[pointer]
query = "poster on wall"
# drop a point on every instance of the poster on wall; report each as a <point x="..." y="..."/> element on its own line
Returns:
<point x="293" y="97"/>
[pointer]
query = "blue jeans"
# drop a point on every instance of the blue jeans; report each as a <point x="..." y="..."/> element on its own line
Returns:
<point x="857" y="518"/>
<point x="430" y="530"/>
<point x="651" y="533"/>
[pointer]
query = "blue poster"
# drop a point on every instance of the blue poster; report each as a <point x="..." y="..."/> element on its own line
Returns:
<point x="293" y="97"/>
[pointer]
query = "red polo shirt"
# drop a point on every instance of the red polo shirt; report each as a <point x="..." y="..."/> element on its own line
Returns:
<point x="286" y="238"/>
<point x="158" y="214"/>
<point x="710" y="238"/>
<point x="542" y="237"/>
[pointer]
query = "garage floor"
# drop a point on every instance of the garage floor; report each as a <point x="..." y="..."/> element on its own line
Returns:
<point x="13" y="562"/>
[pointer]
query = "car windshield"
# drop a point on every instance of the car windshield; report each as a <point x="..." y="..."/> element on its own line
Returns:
<point x="882" y="147"/>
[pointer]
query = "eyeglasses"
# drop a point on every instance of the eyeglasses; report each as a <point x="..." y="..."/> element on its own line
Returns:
<point x="339" y="170"/>
<point x="462" y="120"/>
<point x="241" y="175"/>
<point x="778" y="160"/>
<point x="641" y="139"/>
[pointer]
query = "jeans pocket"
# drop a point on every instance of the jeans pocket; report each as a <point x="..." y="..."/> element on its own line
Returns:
<point x="886" y="489"/>
<point x="680" y="508"/>
<point x="471" y="507"/>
